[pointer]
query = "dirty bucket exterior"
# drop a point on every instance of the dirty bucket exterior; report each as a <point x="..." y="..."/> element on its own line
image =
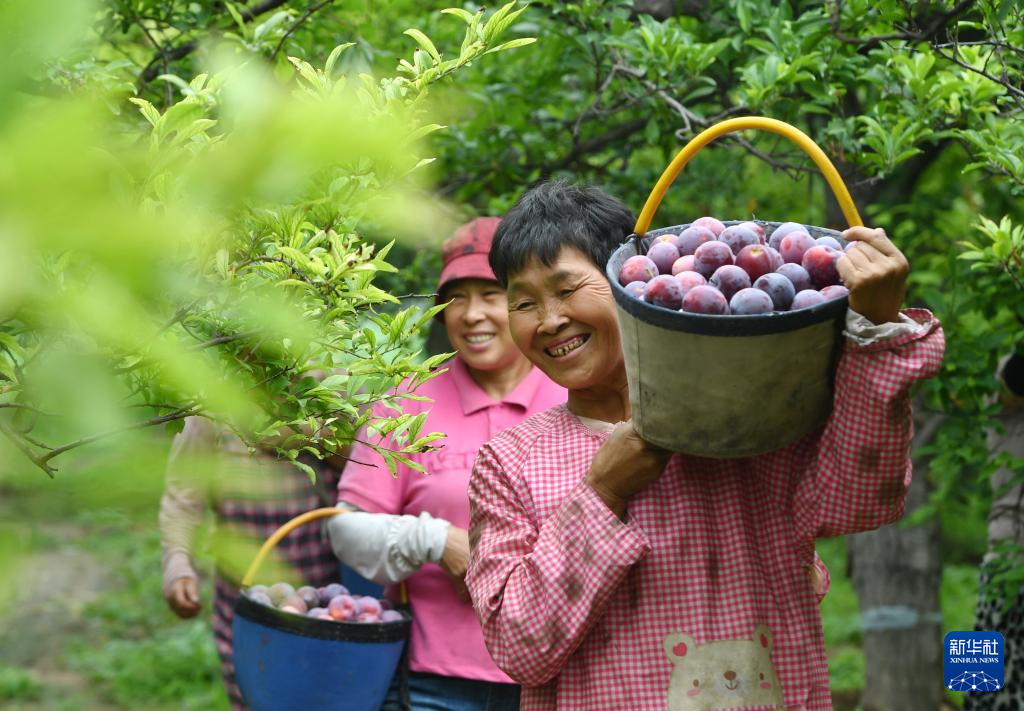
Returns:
<point x="726" y="386"/>
<point x="286" y="662"/>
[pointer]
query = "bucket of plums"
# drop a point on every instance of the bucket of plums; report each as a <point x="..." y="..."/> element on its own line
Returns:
<point x="731" y="329"/>
<point x="310" y="648"/>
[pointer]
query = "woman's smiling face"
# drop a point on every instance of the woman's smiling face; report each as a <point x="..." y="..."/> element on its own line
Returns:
<point x="563" y="318"/>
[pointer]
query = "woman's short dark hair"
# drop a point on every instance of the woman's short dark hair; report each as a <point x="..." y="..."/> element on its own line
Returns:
<point x="555" y="215"/>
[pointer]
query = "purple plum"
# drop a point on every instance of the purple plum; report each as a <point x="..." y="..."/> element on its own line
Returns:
<point x="729" y="279"/>
<point x="665" y="291"/>
<point x="782" y="230"/>
<point x="705" y="299"/>
<point x="663" y="254"/>
<point x="747" y="302"/>
<point x="688" y="280"/>
<point x="779" y="288"/>
<point x="738" y="237"/>
<point x="755" y="261"/>
<point x="710" y="256"/>
<point x="793" y="246"/>
<point x="820" y="263"/>
<point x="636" y="289"/>
<point x="796" y="274"/>
<point x="710" y="223"/>
<point x="835" y="291"/>
<point x="637" y="268"/>
<point x="693" y="237"/>
<point x="806" y="298"/>
<point x="683" y="264"/>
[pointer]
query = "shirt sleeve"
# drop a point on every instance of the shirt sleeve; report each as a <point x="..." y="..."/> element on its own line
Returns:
<point x="538" y="590"/>
<point x="385" y="548"/>
<point x="855" y="476"/>
<point x="184" y="500"/>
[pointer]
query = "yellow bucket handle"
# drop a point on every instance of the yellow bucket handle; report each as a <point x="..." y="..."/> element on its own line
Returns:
<point x="738" y="124"/>
<point x="287" y="528"/>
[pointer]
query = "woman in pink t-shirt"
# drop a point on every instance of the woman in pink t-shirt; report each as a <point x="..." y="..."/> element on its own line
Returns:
<point x="412" y="527"/>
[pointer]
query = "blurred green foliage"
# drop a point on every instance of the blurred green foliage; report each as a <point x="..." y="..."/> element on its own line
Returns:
<point x="197" y="200"/>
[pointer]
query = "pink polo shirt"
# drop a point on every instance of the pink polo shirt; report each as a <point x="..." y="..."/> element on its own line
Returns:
<point x="446" y="637"/>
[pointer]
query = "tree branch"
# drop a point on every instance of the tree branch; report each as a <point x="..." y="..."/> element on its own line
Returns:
<point x="152" y="69"/>
<point x="310" y="11"/>
<point x="180" y="414"/>
<point x="922" y="35"/>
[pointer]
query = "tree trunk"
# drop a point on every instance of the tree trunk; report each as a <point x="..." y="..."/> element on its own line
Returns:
<point x="896" y="574"/>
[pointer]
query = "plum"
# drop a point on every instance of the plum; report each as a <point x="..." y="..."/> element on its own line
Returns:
<point x="683" y="264"/>
<point x="806" y="298"/>
<point x="747" y="302"/>
<point x="849" y="246"/>
<point x="294" y="603"/>
<point x="705" y="299"/>
<point x="709" y="223"/>
<point x="636" y="289"/>
<point x="260" y="598"/>
<point x="663" y="254"/>
<point x="637" y="268"/>
<point x="693" y="237"/>
<point x="317" y="612"/>
<point x="342" y="607"/>
<point x="774" y="258"/>
<point x="329" y="592"/>
<point x="729" y="279"/>
<point x="688" y="280"/>
<point x="756" y="228"/>
<point x="371" y="605"/>
<point x="782" y="230"/>
<point x="279" y="591"/>
<point x="391" y="616"/>
<point x="710" y="256"/>
<point x="796" y="274"/>
<point x="738" y="237"/>
<point x="829" y="242"/>
<point x="258" y="589"/>
<point x="309" y="595"/>
<point x="755" y="260"/>
<point x="793" y="246"/>
<point x="820" y="263"/>
<point x="779" y="288"/>
<point x="670" y="238"/>
<point x="835" y="291"/>
<point x="664" y="290"/>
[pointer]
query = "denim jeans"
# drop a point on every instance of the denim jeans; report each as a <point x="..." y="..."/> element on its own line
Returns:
<point x="433" y="692"/>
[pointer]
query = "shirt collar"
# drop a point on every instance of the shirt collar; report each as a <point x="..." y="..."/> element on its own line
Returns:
<point x="473" y="398"/>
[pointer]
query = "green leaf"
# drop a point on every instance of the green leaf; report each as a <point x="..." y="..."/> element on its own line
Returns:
<point x="512" y="44"/>
<point x="466" y="15"/>
<point x="333" y="58"/>
<point x="424" y="42"/>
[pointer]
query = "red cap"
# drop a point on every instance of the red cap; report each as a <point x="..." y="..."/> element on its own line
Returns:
<point x="465" y="253"/>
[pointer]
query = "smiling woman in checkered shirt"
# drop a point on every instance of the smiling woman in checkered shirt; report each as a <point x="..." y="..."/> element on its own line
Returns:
<point x="610" y="574"/>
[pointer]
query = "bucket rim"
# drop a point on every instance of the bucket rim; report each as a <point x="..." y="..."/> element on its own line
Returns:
<point x="334" y="630"/>
<point x="719" y="325"/>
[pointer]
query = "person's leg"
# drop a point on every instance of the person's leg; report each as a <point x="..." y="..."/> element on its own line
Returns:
<point x="223" y="614"/>
<point x="502" y="697"/>
<point x="433" y="692"/>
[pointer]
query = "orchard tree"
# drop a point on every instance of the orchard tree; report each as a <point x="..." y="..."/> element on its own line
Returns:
<point x="208" y="257"/>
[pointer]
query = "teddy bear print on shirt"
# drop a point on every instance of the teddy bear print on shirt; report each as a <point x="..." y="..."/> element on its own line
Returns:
<point x="724" y="674"/>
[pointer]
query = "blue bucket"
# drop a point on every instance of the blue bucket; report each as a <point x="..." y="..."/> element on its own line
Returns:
<point x="286" y="661"/>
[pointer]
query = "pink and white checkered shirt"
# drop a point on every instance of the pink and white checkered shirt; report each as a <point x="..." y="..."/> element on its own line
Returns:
<point x="700" y="600"/>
